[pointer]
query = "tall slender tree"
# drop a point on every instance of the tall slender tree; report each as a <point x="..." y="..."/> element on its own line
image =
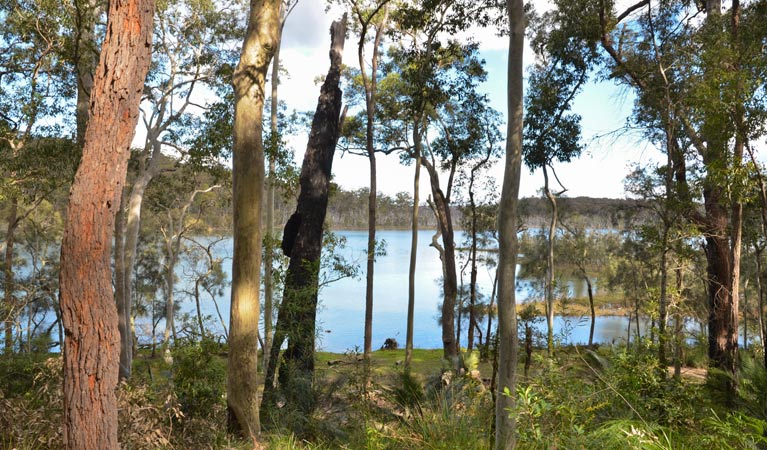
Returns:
<point x="507" y="230"/>
<point x="286" y="7"/>
<point x="248" y="183"/>
<point x="88" y="309"/>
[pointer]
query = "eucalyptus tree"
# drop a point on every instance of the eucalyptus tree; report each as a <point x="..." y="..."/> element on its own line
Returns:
<point x="552" y="131"/>
<point x="248" y="80"/>
<point x="184" y="62"/>
<point x="35" y="94"/>
<point x="488" y="124"/>
<point x="91" y="346"/>
<point x="505" y="433"/>
<point x="425" y="65"/>
<point x="587" y="250"/>
<point x="697" y="71"/>
<point x="367" y="14"/>
<point x="662" y="234"/>
<point x="286" y="7"/>
<point x="436" y="89"/>
<point x="178" y="206"/>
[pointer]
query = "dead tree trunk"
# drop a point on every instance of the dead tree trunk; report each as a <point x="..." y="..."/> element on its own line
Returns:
<point x="297" y="316"/>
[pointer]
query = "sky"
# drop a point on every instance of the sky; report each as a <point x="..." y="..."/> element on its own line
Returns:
<point x="599" y="172"/>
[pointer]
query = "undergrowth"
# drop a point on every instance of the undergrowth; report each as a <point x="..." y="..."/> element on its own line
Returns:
<point x="612" y="398"/>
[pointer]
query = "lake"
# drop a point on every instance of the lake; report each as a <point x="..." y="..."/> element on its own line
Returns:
<point x="342" y="304"/>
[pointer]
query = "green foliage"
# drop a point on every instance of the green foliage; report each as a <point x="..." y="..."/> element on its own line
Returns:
<point x="199" y="377"/>
<point x="735" y="431"/>
<point x="409" y="393"/>
<point x="458" y="416"/>
<point x="31" y="418"/>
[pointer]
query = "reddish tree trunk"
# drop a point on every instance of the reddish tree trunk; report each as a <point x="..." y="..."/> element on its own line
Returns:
<point x="91" y="346"/>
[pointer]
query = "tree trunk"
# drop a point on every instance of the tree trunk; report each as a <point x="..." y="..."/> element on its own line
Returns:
<point x="678" y="328"/>
<point x="270" y="199"/>
<point x="248" y="183"/>
<point x="450" y="281"/>
<point x="370" y="85"/>
<point x="87" y="303"/>
<point x="723" y="305"/>
<point x="505" y="434"/>
<point x="9" y="312"/>
<point x="593" y="310"/>
<point x="760" y="292"/>
<point x="413" y="250"/>
<point x="130" y="248"/>
<point x="368" y="335"/>
<point x="550" y="264"/>
<point x="86" y="53"/>
<point x="745" y="315"/>
<point x="297" y="316"/>
<point x="120" y="288"/>
<point x="663" y="300"/>
<point x="490" y="315"/>
<point x="171" y="255"/>
<point x="473" y="280"/>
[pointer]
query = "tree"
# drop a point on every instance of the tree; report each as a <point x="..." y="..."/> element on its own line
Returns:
<point x="424" y="76"/>
<point x="487" y="123"/>
<point x="586" y="250"/>
<point x="552" y="132"/>
<point x="286" y="7"/>
<point x="88" y="310"/>
<point x="436" y="88"/>
<point x="692" y="85"/>
<point x="302" y="241"/>
<point x="507" y="230"/>
<point x="183" y="61"/>
<point x="366" y="16"/>
<point x="34" y="89"/>
<point x="248" y="182"/>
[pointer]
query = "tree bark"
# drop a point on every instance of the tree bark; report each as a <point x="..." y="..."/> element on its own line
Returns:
<point x="550" y="264"/>
<point x="86" y="54"/>
<point x="723" y="305"/>
<point x="248" y="182"/>
<point x="129" y="250"/>
<point x="120" y="280"/>
<point x="9" y="311"/>
<point x="297" y="316"/>
<point x="87" y="302"/>
<point x="490" y="316"/>
<point x="370" y="85"/>
<point x="473" y="280"/>
<point x="450" y="281"/>
<point x="413" y="249"/>
<point x="593" y="310"/>
<point x="270" y="195"/>
<point x="505" y="434"/>
<point x="760" y="294"/>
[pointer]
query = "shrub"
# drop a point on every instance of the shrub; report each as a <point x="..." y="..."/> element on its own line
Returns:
<point x="199" y="378"/>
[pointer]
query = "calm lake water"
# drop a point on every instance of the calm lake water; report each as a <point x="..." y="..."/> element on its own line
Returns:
<point x="342" y="304"/>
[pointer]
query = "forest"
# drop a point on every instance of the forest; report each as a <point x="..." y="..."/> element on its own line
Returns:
<point x="140" y="137"/>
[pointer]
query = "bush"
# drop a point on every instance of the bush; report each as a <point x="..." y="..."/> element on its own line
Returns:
<point x="199" y="378"/>
<point x="390" y="344"/>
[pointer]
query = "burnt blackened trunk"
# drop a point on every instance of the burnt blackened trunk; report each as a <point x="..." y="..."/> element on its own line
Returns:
<point x="297" y="316"/>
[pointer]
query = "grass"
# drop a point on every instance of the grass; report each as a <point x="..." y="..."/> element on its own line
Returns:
<point x="602" y="399"/>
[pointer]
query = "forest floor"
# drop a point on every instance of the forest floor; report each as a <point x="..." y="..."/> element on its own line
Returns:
<point x="599" y="398"/>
